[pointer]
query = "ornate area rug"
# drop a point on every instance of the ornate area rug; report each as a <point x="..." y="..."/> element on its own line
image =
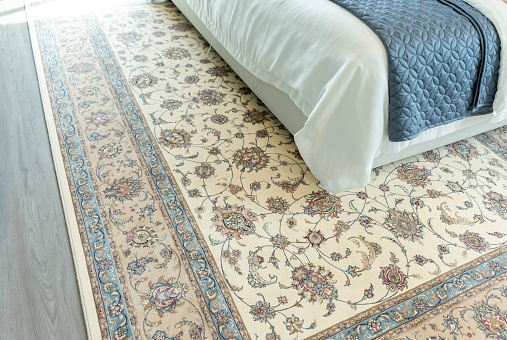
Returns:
<point x="192" y="215"/>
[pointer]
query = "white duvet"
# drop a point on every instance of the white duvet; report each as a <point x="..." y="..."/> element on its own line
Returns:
<point x="334" y="68"/>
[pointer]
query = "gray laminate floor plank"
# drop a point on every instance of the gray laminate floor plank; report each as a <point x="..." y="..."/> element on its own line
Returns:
<point x="18" y="84"/>
<point x="39" y="296"/>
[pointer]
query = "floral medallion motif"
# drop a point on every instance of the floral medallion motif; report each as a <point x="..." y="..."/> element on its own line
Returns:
<point x="182" y="26"/>
<point x="496" y="202"/>
<point x="171" y="104"/>
<point x="277" y="205"/>
<point x="110" y="150"/>
<point x="314" y="283"/>
<point x="414" y="175"/>
<point x="393" y="278"/>
<point x="219" y="119"/>
<point x="255" y="117"/>
<point x="315" y="238"/>
<point x="454" y="186"/>
<point x="209" y="97"/>
<point x="294" y="324"/>
<point x="82" y="68"/>
<point x="101" y="118"/>
<point x="431" y="156"/>
<point x="234" y="221"/>
<point x="280" y="241"/>
<point x="138" y="267"/>
<point x="288" y="186"/>
<point x="192" y="79"/>
<point x="452" y="324"/>
<point x="491" y="319"/>
<point x="140" y="58"/>
<point x="144" y="80"/>
<point x="166" y="295"/>
<point x="141" y="237"/>
<point x="124" y="189"/>
<point x="204" y="171"/>
<point x="115" y="309"/>
<point x="176" y="53"/>
<point x="463" y="149"/>
<point x="219" y="71"/>
<point x="323" y="203"/>
<point x="130" y="37"/>
<point x="175" y="138"/>
<point x="473" y="241"/>
<point x="262" y="311"/>
<point x="404" y="224"/>
<point x="250" y="159"/>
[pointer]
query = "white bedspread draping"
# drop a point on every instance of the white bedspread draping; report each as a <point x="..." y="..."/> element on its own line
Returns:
<point x="334" y="68"/>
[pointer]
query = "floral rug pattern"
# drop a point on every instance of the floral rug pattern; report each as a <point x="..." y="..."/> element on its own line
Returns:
<point x="200" y="220"/>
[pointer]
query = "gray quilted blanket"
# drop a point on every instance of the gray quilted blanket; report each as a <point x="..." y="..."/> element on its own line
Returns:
<point x="443" y="58"/>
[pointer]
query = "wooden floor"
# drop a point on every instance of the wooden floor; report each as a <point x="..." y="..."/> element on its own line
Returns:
<point x="39" y="297"/>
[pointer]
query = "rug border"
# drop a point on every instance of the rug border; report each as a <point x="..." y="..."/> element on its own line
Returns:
<point x="78" y="256"/>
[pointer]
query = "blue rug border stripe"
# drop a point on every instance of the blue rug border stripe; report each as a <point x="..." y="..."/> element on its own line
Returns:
<point x="80" y="172"/>
<point x="492" y="143"/>
<point x="469" y="283"/>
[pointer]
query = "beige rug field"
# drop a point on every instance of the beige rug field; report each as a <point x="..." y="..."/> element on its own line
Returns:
<point x="192" y="215"/>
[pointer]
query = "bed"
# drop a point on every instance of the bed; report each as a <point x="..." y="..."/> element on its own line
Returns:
<point x="323" y="73"/>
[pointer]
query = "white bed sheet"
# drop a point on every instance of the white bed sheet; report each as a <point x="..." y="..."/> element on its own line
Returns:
<point x="334" y="68"/>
